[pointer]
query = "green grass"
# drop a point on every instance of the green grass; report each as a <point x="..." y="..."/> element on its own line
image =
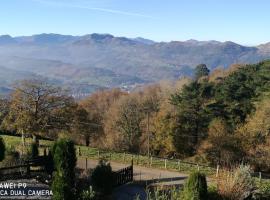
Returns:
<point x="16" y="142"/>
<point x="94" y="153"/>
<point x="171" y="164"/>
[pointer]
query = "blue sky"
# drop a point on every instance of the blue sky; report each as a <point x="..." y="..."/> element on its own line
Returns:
<point x="242" y="21"/>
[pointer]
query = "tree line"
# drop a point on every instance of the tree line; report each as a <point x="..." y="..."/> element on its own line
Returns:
<point x="220" y="117"/>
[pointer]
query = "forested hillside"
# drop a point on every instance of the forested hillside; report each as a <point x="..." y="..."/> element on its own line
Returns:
<point x="221" y="117"/>
<point x="218" y="118"/>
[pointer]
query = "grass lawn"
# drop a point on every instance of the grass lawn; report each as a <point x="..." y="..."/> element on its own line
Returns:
<point x="16" y="142"/>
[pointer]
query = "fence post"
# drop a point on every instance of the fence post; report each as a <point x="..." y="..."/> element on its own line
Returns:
<point x="165" y="163"/>
<point x="86" y="164"/>
<point x="98" y="154"/>
<point x="260" y="176"/>
<point x="79" y="151"/>
<point x="178" y="163"/>
<point x="217" y="171"/>
<point x="198" y="167"/>
<point x="28" y="169"/>
<point x="151" y="161"/>
<point x="44" y="152"/>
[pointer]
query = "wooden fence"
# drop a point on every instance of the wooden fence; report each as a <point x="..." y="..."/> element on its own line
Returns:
<point x="123" y="176"/>
<point x="24" y="168"/>
<point x="157" y="162"/>
<point x="144" y="160"/>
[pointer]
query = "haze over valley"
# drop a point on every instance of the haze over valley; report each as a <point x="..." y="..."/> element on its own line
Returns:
<point x="95" y="61"/>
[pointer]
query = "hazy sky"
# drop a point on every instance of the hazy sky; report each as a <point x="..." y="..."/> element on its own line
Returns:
<point x="242" y="21"/>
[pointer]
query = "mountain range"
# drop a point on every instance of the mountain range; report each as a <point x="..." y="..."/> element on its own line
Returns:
<point x="90" y="62"/>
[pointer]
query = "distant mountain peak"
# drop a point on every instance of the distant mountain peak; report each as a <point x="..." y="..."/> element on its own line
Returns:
<point x="264" y="47"/>
<point x="144" y="41"/>
<point x="192" y="41"/>
<point x="6" y="39"/>
<point x="103" y="38"/>
<point x="231" y="43"/>
<point x="45" y="38"/>
<point x="96" y="36"/>
<point x="198" y="42"/>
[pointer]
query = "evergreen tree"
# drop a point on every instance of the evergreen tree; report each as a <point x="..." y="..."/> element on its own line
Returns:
<point x="60" y="188"/>
<point x="2" y="149"/>
<point x="201" y="70"/>
<point x="102" y="178"/>
<point x="192" y="116"/>
<point x="64" y="156"/>
<point x="237" y="93"/>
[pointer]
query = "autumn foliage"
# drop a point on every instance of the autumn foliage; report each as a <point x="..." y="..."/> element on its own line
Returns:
<point x="222" y="116"/>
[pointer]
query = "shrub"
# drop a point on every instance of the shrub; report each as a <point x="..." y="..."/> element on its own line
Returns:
<point x="2" y="149"/>
<point x="195" y="187"/>
<point x="163" y="193"/>
<point x="11" y="156"/>
<point x="49" y="165"/>
<point x="12" y="152"/>
<point x="34" y="150"/>
<point x="263" y="190"/>
<point x="213" y="194"/>
<point x="64" y="157"/>
<point x="102" y="178"/>
<point x="236" y="185"/>
<point x="60" y="188"/>
<point x="88" y="194"/>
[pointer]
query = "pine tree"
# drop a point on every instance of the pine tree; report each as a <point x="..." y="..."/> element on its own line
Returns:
<point x="201" y="70"/>
<point x="192" y="116"/>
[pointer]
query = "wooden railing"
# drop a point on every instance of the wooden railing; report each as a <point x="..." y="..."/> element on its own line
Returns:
<point x="23" y="168"/>
<point x="123" y="176"/>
